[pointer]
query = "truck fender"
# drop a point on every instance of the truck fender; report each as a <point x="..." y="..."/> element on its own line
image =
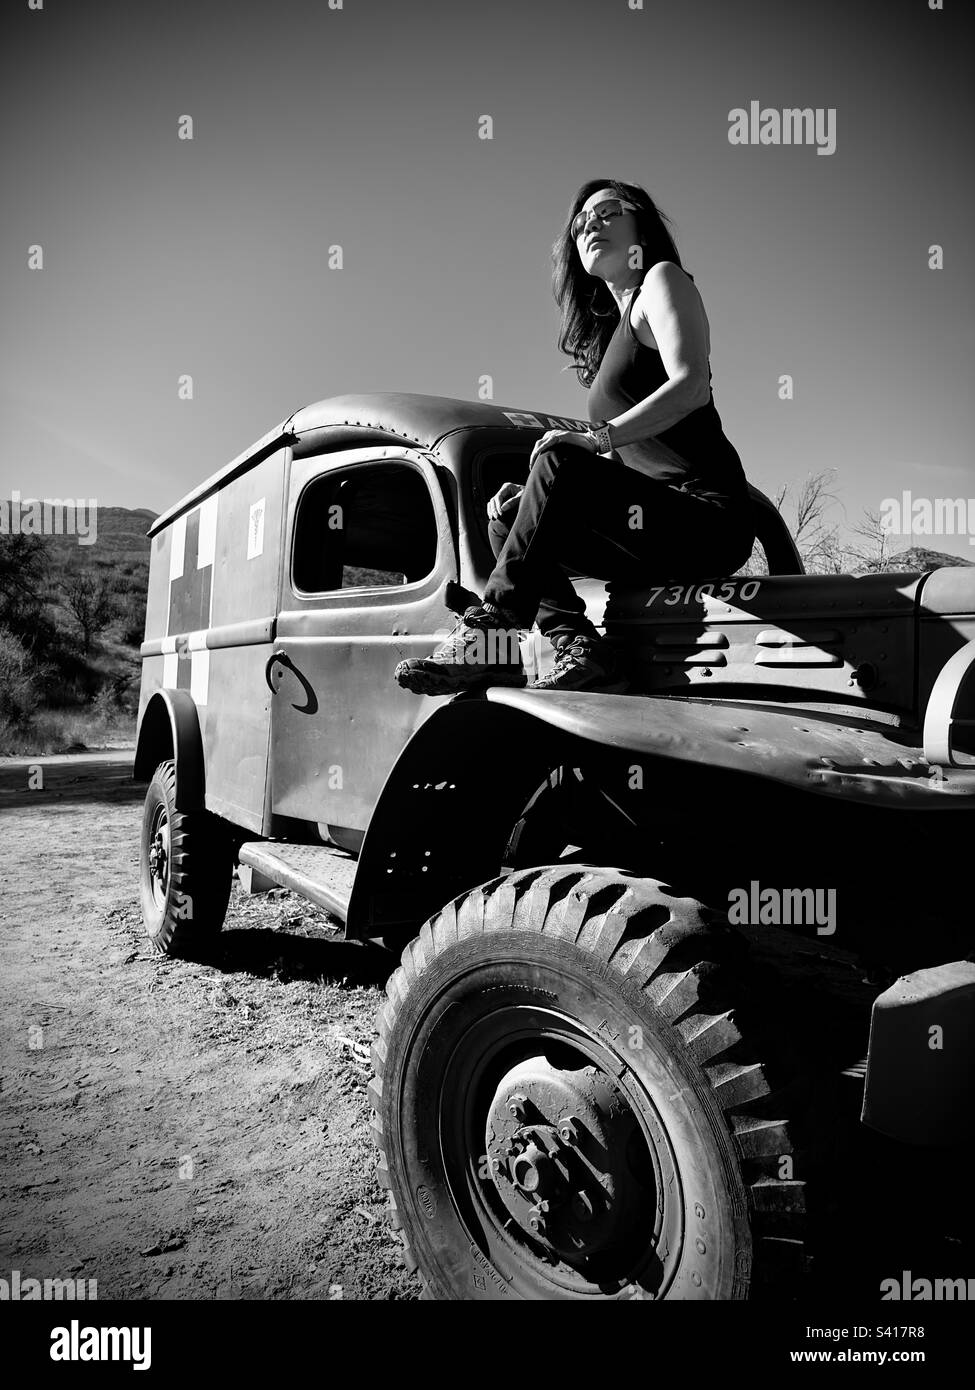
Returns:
<point x="841" y="759"/>
<point x="922" y="1056"/>
<point x="445" y="812"/>
<point x="170" y="728"/>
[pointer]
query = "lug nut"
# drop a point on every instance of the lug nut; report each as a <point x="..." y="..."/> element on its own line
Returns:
<point x="569" y="1130"/>
<point x="516" y="1107"/>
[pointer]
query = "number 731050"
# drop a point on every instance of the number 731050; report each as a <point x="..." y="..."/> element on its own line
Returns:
<point x="691" y="593"/>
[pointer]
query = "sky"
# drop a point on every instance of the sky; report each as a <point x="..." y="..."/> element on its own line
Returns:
<point x="358" y="126"/>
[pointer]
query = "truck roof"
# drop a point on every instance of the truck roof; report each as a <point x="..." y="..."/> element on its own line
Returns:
<point x="421" y="419"/>
<point x="415" y="419"/>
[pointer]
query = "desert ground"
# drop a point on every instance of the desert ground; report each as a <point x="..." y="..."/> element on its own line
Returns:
<point x="172" y="1129"/>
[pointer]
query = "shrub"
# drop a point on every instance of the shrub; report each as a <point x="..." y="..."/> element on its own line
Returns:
<point x="21" y="680"/>
<point x="104" y="706"/>
<point x="134" y="627"/>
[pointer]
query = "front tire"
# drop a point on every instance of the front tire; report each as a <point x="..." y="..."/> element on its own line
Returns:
<point x="185" y="870"/>
<point x="571" y="1100"/>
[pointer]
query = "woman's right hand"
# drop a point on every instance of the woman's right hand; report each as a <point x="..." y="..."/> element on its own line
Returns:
<point x="503" y="495"/>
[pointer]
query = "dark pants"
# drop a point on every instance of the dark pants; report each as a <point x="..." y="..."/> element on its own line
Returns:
<point x="582" y="514"/>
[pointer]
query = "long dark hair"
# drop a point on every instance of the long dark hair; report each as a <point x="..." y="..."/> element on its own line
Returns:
<point x="589" y="312"/>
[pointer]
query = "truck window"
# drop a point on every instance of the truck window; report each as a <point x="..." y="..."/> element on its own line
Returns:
<point x="492" y="468"/>
<point x="369" y="525"/>
<point x="498" y="467"/>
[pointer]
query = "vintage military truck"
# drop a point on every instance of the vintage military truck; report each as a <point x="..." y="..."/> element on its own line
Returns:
<point x="652" y="943"/>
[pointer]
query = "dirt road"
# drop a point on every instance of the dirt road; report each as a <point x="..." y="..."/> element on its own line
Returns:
<point x="175" y="1130"/>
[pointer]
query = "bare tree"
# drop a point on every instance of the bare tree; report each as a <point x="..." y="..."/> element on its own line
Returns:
<point x="832" y="555"/>
<point x="90" y="600"/>
<point x="818" y="539"/>
<point x="872" y="552"/>
<point x="824" y="548"/>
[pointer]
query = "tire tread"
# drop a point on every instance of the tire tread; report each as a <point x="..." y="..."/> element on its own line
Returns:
<point x="686" y="960"/>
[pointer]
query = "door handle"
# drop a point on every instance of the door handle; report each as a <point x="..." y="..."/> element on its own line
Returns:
<point x="285" y="660"/>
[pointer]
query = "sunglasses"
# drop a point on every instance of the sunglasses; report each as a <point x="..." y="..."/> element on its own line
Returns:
<point x="612" y="207"/>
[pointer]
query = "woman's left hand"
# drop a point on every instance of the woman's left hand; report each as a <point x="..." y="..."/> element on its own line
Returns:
<point x="562" y="437"/>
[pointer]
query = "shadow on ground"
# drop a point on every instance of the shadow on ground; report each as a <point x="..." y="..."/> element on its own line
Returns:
<point x="80" y="778"/>
<point x="266" y="954"/>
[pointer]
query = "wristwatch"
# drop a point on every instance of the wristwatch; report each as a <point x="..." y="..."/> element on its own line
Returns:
<point x="599" y="431"/>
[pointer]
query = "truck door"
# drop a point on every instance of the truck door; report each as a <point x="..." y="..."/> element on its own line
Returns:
<point x="368" y="555"/>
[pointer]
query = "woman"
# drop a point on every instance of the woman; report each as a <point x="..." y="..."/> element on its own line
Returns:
<point x="653" y="492"/>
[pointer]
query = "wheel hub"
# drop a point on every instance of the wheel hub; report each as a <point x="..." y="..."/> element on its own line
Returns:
<point x="559" y="1145"/>
<point x="159" y="856"/>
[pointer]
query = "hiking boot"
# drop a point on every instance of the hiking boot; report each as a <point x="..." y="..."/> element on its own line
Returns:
<point x="481" y="650"/>
<point x="584" y="663"/>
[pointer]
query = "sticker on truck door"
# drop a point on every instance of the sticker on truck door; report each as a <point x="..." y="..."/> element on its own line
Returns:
<point x="255" y="530"/>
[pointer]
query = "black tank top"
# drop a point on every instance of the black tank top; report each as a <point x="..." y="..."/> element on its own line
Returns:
<point x="630" y="371"/>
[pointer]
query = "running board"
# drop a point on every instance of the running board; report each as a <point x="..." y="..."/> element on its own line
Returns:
<point x="319" y="873"/>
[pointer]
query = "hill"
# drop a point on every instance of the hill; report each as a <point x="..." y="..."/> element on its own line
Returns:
<point x="72" y="618"/>
<point x="119" y="540"/>
<point x="916" y="559"/>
